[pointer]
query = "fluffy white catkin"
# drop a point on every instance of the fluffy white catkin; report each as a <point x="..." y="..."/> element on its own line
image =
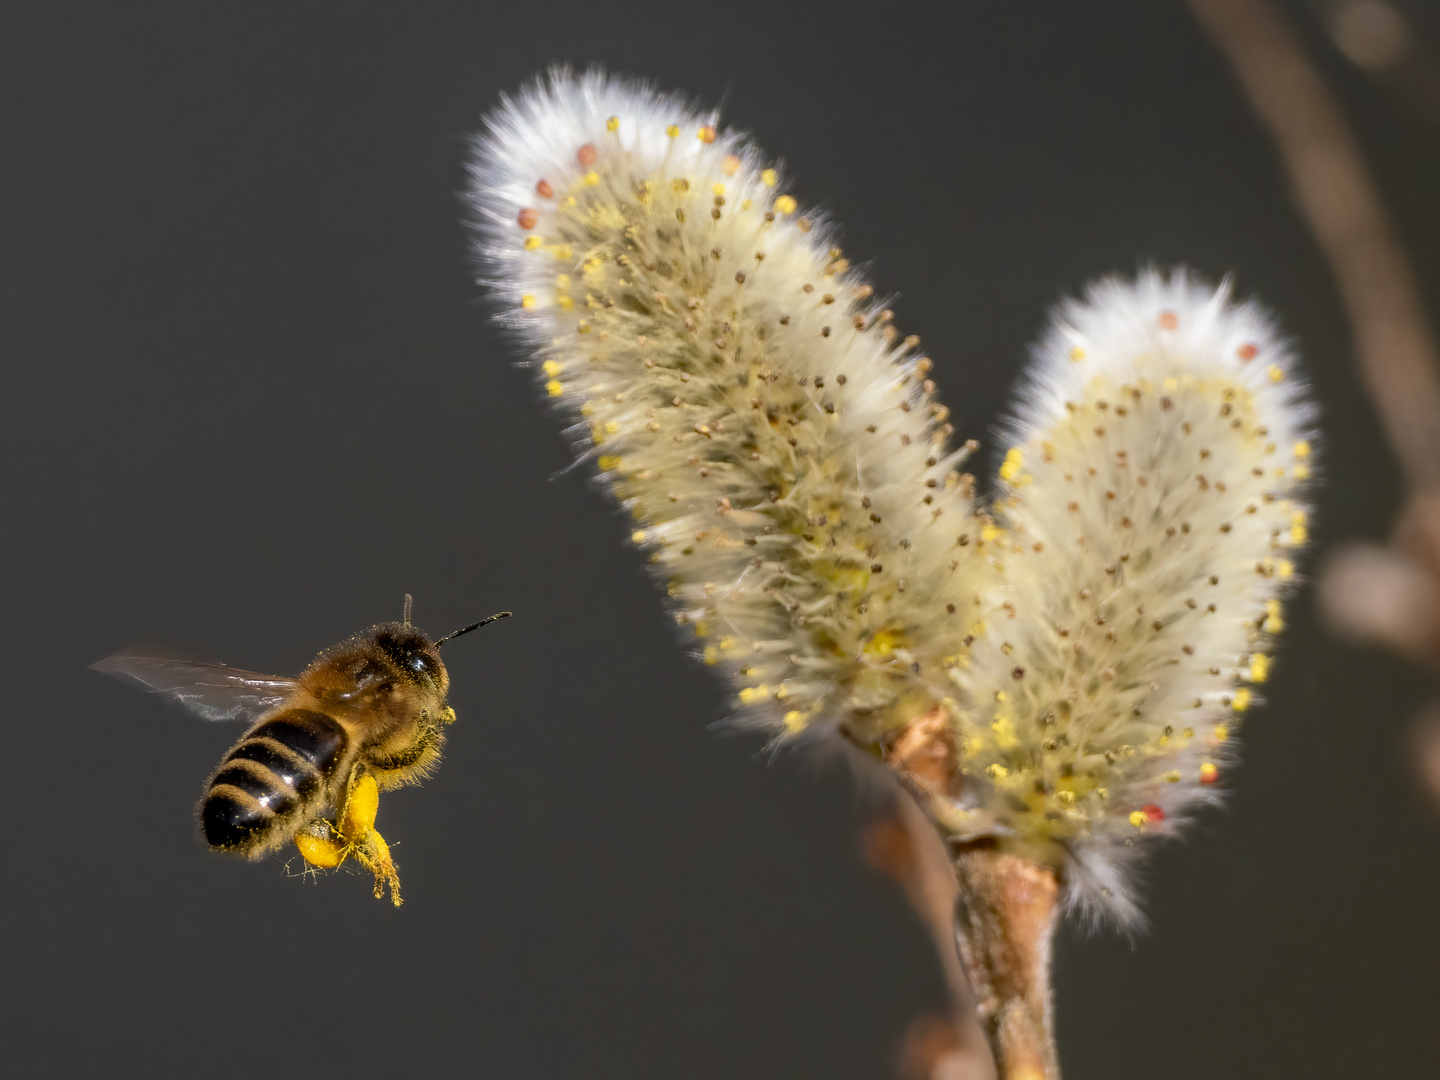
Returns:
<point x="1061" y="671"/>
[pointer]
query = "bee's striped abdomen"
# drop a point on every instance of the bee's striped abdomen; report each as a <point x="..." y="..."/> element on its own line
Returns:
<point x="270" y="774"/>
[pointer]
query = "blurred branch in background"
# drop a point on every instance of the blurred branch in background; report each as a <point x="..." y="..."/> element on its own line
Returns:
<point x="1381" y="594"/>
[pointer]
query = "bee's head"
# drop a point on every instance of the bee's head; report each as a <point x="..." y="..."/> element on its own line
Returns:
<point x="412" y="651"/>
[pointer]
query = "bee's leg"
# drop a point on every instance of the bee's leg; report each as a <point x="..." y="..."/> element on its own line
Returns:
<point x="357" y="829"/>
<point x="373" y="853"/>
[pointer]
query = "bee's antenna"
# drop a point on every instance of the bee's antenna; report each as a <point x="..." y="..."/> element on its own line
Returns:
<point x="475" y="626"/>
<point x="409" y="601"/>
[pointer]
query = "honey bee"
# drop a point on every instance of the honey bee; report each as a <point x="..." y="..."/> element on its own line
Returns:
<point x="366" y="716"/>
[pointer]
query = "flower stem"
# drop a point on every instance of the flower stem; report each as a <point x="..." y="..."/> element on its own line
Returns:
<point x="1005" y="918"/>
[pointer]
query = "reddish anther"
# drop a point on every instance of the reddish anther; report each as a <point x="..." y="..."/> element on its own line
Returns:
<point x="1152" y="813"/>
<point x="528" y="218"/>
<point x="1247" y="352"/>
<point x="586" y="155"/>
<point x="544" y="190"/>
<point x="1168" y="320"/>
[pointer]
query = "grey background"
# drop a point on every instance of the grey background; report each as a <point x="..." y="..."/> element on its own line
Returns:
<point x="250" y="398"/>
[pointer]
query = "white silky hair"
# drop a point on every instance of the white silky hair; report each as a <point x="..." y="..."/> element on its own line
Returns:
<point x="1088" y="641"/>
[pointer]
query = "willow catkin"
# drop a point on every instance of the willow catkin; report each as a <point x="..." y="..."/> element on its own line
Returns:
<point x="1060" y="671"/>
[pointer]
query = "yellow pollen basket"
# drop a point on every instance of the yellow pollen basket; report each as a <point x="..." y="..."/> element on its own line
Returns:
<point x="355" y="835"/>
<point x="321" y="851"/>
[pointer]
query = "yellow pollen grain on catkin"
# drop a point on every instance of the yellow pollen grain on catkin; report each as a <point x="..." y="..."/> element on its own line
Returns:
<point x="881" y="643"/>
<point x="1004" y="731"/>
<point x="1138" y="818"/>
<point x="608" y="462"/>
<point x="554" y="388"/>
<point x="1259" y="667"/>
<point x="527" y="301"/>
<point x="1241" y="701"/>
<point x="751" y="694"/>
<point x="613" y="124"/>
<point x="719" y="189"/>
<point x="551" y="368"/>
<point x="1285" y="568"/>
<point x="1302" y="448"/>
<point x="794" y="721"/>
<point x="1221" y="733"/>
<point x="1209" y="773"/>
<point x="1276" y="373"/>
<point x="712" y="655"/>
<point x="532" y="242"/>
<point x="673" y="130"/>
<point x="785" y="205"/>
<point x="1077" y="354"/>
<point x="1273" y="622"/>
<point x="1014" y="461"/>
<point x="997" y="771"/>
<point x="638" y="536"/>
<point x="769" y="178"/>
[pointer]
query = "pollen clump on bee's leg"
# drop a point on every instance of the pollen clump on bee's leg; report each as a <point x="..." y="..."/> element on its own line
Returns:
<point x="326" y="846"/>
<point x="361" y="807"/>
<point x="322" y="852"/>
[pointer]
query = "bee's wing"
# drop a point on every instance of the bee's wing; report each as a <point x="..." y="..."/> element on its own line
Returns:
<point x="210" y="691"/>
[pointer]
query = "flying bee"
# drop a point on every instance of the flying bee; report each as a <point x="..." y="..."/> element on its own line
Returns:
<point x="366" y="716"/>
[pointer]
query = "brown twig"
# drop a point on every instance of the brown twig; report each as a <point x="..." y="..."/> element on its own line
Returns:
<point x="997" y="909"/>
<point x="1006" y="919"/>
